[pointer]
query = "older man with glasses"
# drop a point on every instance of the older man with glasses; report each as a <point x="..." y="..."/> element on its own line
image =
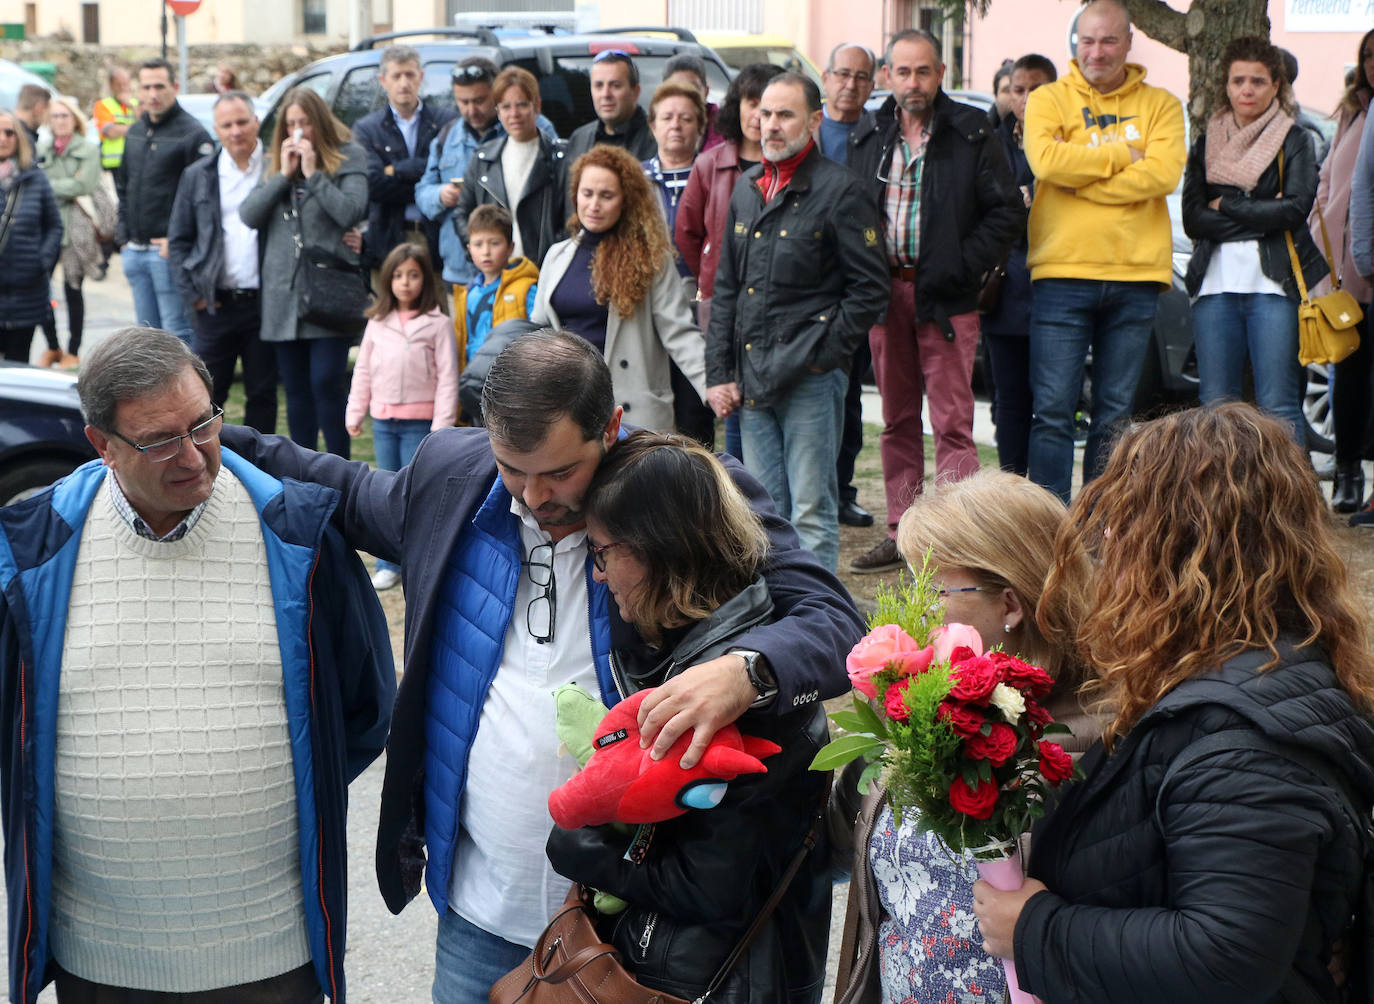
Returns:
<point x="198" y="667"/>
<point x="502" y="608"/>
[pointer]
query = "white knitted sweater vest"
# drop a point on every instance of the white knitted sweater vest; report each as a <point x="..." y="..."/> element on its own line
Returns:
<point x="175" y="846"/>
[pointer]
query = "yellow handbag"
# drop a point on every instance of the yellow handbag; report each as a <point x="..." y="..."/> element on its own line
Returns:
<point x="1328" y="326"/>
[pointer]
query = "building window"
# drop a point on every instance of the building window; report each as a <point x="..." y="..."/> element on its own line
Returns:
<point x="90" y="23"/>
<point x="313" y="20"/>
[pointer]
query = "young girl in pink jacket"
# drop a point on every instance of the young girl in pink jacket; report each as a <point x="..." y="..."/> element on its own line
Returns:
<point x="407" y="369"/>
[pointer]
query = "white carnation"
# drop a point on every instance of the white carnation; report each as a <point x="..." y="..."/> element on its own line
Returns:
<point x="1009" y="701"/>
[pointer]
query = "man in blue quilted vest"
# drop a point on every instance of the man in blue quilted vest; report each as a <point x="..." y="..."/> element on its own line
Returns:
<point x="501" y="609"/>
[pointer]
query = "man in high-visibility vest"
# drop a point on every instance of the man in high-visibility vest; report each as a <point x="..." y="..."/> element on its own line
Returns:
<point x="114" y="115"/>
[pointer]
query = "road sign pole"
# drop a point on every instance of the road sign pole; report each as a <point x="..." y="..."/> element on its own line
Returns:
<point x="181" y="47"/>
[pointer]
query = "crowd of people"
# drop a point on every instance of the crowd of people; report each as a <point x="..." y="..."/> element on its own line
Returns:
<point x="196" y="665"/>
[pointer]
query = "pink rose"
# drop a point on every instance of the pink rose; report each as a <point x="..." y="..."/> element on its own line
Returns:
<point x="894" y="702"/>
<point x="947" y="637"/>
<point x="974" y="679"/>
<point x="886" y="646"/>
<point x="996" y="747"/>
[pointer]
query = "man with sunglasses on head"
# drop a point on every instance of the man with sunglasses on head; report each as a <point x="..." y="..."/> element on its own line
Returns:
<point x="437" y="191"/>
<point x="195" y="666"/>
<point x="619" y="119"/>
<point x="502" y="609"/>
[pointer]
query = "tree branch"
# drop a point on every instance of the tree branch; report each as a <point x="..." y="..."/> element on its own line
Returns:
<point x="1160" y="21"/>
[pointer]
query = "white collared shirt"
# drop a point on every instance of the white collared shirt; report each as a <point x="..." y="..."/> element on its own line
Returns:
<point x="410" y="128"/>
<point x="501" y="879"/>
<point x="240" y="270"/>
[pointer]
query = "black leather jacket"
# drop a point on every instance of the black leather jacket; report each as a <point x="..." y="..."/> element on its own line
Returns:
<point x="801" y="279"/>
<point x="707" y="873"/>
<point x="543" y="209"/>
<point x="155" y="155"/>
<point x="636" y="137"/>
<point x="1231" y="881"/>
<point x="971" y="210"/>
<point x="1256" y="215"/>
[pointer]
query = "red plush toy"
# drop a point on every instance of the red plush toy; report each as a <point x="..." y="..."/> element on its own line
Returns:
<point x="621" y="783"/>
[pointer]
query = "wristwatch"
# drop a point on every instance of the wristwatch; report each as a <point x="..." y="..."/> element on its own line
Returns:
<point x="761" y="676"/>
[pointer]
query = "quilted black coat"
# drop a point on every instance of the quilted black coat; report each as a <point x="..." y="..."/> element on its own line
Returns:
<point x="1228" y="884"/>
<point x="30" y="250"/>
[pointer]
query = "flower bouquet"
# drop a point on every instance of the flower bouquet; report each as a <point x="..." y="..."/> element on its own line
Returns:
<point x="956" y="734"/>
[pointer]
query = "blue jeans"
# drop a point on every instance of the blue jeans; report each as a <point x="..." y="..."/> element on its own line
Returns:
<point x="1229" y="326"/>
<point x="312" y="372"/>
<point x="157" y="301"/>
<point x="1069" y="317"/>
<point x="395" y="441"/>
<point x="468" y="960"/>
<point x="791" y="447"/>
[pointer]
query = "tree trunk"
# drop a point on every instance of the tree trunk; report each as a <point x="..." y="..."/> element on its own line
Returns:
<point x="1201" y="33"/>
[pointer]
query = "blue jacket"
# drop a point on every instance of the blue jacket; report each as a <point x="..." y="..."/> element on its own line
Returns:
<point x="419" y="516"/>
<point x="337" y="667"/>
<point x="448" y="159"/>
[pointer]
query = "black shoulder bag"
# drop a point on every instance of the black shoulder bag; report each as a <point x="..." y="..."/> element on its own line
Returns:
<point x="331" y="292"/>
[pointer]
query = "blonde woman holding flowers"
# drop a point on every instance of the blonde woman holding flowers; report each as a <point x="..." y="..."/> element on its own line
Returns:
<point x="1212" y="852"/>
<point x="909" y="928"/>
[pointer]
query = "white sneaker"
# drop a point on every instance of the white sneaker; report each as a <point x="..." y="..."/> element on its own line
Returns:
<point x="386" y="578"/>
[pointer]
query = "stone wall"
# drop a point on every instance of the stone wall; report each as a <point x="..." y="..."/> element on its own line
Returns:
<point x="81" y="68"/>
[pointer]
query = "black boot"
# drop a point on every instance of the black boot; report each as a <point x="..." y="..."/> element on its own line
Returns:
<point x="1348" y="492"/>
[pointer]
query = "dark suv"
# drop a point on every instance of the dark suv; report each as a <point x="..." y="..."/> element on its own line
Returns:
<point x="561" y="63"/>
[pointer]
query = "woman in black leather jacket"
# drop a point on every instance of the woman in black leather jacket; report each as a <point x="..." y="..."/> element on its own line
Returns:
<point x="1212" y="852"/>
<point x="679" y="550"/>
<point x="1237" y="208"/>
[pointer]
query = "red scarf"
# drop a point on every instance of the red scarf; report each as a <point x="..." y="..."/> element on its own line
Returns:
<point x="777" y="175"/>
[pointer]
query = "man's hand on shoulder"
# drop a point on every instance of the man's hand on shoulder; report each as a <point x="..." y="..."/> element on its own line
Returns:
<point x="703" y="698"/>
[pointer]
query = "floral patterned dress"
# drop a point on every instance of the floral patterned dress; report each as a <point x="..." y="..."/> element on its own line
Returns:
<point x="929" y="949"/>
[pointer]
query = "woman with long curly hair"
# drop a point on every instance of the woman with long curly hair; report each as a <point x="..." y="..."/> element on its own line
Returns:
<point x="1214" y="851"/>
<point x="614" y="283"/>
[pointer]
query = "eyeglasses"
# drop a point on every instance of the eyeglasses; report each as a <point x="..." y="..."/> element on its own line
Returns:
<point x="542" y="609"/>
<point x="605" y="54"/>
<point x="599" y="553"/>
<point x="849" y="75"/>
<point x="945" y="593"/>
<point x="8" y="133"/>
<point x="472" y="74"/>
<point x="165" y="449"/>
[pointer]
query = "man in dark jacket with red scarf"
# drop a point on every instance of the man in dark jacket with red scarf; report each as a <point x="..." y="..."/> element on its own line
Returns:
<point x="801" y="279"/>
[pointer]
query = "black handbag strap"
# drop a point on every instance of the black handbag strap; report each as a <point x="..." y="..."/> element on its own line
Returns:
<point x="16" y="195"/>
<point x="807" y="846"/>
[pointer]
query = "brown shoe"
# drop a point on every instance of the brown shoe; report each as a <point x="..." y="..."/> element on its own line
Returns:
<point x="50" y="357"/>
<point x="69" y="362"/>
<point x="882" y="558"/>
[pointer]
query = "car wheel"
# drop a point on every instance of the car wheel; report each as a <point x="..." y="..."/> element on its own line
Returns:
<point x="28" y="476"/>
<point x="1316" y="409"/>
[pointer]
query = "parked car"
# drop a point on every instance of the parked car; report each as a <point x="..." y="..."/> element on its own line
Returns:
<point x="12" y="78"/>
<point x="561" y="63"/>
<point x="42" y="433"/>
<point x="738" y="49"/>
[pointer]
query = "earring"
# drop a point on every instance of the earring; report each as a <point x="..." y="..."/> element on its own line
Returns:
<point x="1006" y="628"/>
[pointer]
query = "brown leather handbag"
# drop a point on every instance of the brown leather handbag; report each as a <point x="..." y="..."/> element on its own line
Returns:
<point x="570" y="964"/>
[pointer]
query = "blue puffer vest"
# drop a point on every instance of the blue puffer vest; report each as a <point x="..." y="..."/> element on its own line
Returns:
<point x="474" y="610"/>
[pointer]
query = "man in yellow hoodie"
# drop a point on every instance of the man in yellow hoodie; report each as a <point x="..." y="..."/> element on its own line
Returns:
<point x="1106" y="148"/>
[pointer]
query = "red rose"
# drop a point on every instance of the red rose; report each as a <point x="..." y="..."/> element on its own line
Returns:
<point x="1055" y="764"/>
<point x="995" y="747"/>
<point x="960" y="654"/>
<point x="1038" y="717"/>
<point x="965" y="721"/>
<point x="976" y="802"/>
<point x="974" y="679"/>
<point x="894" y="701"/>
<point x="1033" y="680"/>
